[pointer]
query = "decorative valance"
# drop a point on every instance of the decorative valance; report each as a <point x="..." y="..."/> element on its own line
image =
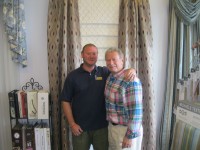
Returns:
<point x="187" y="10"/>
<point x="14" y="19"/>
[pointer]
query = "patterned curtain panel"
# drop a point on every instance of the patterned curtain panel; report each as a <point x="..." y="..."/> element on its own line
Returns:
<point x="135" y="39"/>
<point x="180" y="61"/>
<point x="14" y="19"/>
<point x="63" y="56"/>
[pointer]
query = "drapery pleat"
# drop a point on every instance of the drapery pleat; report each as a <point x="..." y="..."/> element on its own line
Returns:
<point x="14" y="19"/>
<point x="168" y="105"/>
<point x="63" y="56"/>
<point x="187" y="10"/>
<point x="179" y="63"/>
<point x="135" y="39"/>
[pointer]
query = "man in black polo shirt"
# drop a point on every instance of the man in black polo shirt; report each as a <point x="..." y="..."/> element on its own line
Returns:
<point x="83" y="102"/>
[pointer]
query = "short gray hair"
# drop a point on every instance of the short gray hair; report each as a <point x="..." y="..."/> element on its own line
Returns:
<point x="113" y="49"/>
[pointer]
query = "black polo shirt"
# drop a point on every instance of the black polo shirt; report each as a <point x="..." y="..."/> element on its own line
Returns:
<point x="85" y="92"/>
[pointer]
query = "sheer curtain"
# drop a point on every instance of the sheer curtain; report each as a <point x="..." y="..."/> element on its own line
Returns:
<point x="9" y="79"/>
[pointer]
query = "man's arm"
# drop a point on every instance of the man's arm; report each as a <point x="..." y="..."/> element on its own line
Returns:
<point x="134" y="107"/>
<point x="76" y="129"/>
<point x="68" y="113"/>
<point x="135" y="110"/>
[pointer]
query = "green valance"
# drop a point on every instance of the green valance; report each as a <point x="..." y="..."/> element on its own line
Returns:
<point x="187" y="10"/>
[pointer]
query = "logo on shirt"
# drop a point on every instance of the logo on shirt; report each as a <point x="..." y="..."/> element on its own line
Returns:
<point x="98" y="78"/>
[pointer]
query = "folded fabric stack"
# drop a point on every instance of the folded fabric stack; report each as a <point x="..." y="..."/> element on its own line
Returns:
<point x="186" y="137"/>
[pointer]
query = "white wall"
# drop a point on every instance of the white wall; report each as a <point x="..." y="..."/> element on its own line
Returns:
<point x="36" y="21"/>
<point x="159" y="13"/>
<point x="36" y="24"/>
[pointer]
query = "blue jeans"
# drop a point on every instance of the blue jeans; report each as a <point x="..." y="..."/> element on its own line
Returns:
<point x="98" y="138"/>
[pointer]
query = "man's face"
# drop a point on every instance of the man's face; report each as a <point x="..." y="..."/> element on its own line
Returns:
<point x="114" y="62"/>
<point x="90" y="55"/>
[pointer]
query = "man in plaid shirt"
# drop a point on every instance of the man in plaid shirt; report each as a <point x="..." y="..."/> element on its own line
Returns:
<point x="123" y="104"/>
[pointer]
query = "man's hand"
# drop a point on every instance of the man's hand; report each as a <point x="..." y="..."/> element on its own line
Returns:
<point x="76" y="129"/>
<point x="130" y="74"/>
<point x="127" y="143"/>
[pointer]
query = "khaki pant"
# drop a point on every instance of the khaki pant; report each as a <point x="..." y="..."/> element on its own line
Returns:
<point x="115" y="137"/>
<point x="98" y="138"/>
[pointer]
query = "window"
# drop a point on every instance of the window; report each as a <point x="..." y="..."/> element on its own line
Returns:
<point x="99" y="24"/>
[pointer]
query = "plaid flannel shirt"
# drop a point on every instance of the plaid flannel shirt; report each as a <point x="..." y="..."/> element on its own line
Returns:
<point x="124" y="103"/>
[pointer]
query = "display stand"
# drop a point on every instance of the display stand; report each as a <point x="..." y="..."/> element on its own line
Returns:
<point x="186" y="134"/>
<point x="19" y="115"/>
<point x="32" y="85"/>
